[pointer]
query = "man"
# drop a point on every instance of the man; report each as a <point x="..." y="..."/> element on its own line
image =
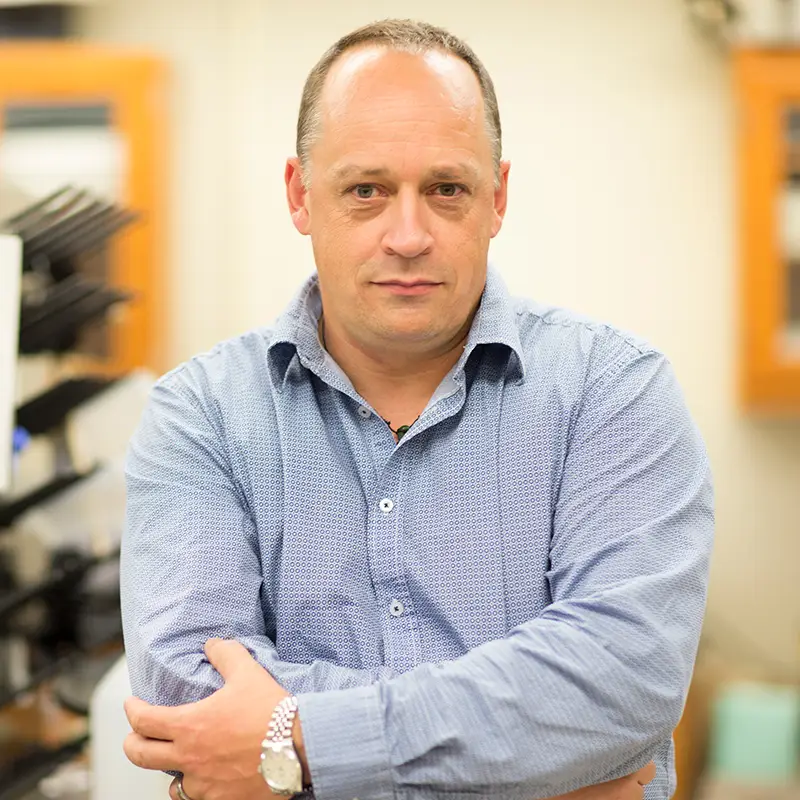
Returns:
<point x="458" y="543"/>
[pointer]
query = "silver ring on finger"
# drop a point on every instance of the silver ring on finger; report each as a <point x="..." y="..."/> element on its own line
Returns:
<point x="179" y="789"/>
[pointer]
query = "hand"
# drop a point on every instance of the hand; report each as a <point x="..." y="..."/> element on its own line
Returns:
<point x="216" y="742"/>
<point x="628" y="788"/>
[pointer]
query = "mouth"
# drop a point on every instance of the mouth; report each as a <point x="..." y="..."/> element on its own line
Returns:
<point x="408" y="288"/>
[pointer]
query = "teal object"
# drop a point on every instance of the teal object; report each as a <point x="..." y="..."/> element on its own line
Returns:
<point x="755" y="733"/>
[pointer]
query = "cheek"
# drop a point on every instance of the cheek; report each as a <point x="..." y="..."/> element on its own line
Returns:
<point x="466" y="227"/>
<point x="464" y="244"/>
<point x="345" y="235"/>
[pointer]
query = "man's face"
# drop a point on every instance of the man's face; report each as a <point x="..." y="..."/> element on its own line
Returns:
<point x="403" y="202"/>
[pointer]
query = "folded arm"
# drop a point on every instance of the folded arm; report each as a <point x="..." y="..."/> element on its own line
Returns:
<point x="586" y="692"/>
<point x="190" y="562"/>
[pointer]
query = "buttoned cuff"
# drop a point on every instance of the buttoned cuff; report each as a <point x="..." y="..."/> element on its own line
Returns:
<point x="345" y="744"/>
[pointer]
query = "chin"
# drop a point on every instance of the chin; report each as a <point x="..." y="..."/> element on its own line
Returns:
<point x="412" y="334"/>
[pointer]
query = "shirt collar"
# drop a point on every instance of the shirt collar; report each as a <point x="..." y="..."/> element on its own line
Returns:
<point x="296" y="330"/>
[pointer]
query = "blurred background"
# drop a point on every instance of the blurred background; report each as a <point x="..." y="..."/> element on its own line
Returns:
<point x="655" y="184"/>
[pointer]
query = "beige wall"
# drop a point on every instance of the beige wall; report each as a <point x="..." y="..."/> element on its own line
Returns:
<point x="619" y="125"/>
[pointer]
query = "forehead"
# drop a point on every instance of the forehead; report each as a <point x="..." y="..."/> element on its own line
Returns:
<point x="372" y="71"/>
<point x="377" y="100"/>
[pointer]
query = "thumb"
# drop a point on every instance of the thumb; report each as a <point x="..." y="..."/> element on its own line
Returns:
<point x="228" y="657"/>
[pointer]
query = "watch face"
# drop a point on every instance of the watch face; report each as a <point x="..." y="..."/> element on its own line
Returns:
<point x="281" y="769"/>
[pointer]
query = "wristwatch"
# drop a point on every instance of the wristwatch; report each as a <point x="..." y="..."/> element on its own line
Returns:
<point x="280" y="765"/>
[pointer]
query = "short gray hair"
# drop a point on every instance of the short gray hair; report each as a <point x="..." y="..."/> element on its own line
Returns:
<point x="404" y="35"/>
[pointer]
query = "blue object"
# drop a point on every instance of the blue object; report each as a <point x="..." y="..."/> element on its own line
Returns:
<point x="508" y="601"/>
<point x="20" y="440"/>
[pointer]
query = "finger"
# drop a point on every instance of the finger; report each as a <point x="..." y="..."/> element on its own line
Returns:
<point x="154" y="722"/>
<point x="228" y="657"/>
<point x="646" y="774"/>
<point x="150" y="753"/>
<point x="189" y="789"/>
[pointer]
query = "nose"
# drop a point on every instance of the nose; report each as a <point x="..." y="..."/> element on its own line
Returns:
<point x="407" y="233"/>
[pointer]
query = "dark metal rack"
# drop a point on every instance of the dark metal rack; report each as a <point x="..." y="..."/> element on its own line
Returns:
<point x="59" y="234"/>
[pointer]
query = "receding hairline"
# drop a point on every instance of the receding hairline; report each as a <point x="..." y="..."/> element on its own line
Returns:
<point x="398" y="35"/>
<point x="458" y="88"/>
<point x="359" y="56"/>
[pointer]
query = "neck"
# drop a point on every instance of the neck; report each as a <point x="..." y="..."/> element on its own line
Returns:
<point x="390" y="377"/>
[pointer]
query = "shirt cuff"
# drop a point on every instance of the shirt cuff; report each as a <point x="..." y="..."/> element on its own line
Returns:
<point x="345" y="744"/>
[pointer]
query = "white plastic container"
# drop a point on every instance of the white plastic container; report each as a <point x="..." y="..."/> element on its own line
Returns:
<point x="113" y="776"/>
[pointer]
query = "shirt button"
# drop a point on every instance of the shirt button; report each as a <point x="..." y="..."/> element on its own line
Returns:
<point x="396" y="609"/>
<point x="386" y="505"/>
<point x="363" y="412"/>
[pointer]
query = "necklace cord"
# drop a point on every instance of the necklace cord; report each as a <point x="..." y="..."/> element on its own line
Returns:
<point x="399" y="432"/>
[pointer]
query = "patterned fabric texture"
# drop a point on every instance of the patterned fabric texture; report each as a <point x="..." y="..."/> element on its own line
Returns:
<point x="505" y="604"/>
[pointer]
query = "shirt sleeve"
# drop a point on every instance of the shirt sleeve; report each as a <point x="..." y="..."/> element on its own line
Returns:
<point x="190" y="566"/>
<point x="587" y="691"/>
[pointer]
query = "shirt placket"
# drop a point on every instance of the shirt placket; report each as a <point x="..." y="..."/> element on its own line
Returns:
<point x="385" y="547"/>
<point x="385" y="534"/>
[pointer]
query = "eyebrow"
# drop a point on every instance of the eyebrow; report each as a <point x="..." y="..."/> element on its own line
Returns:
<point x="451" y="172"/>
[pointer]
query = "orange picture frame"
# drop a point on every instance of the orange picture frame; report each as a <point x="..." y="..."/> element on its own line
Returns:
<point x="134" y="88"/>
<point x="767" y="81"/>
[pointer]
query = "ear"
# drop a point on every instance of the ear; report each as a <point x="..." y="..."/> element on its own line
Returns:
<point x="297" y="196"/>
<point x="500" y="198"/>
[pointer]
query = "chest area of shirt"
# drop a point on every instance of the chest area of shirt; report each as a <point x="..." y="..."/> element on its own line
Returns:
<point x="384" y="554"/>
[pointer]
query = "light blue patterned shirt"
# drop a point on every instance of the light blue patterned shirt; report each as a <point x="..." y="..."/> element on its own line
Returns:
<point x="505" y="604"/>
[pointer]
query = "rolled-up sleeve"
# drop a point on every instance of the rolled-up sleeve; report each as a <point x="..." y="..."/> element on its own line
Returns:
<point x="588" y="690"/>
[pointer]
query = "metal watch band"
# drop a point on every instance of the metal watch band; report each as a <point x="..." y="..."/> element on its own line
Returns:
<point x="280" y="730"/>
<point x="282" y="721"/>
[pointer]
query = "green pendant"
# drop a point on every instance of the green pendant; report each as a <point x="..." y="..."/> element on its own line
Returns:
<point x="402" y="431"/>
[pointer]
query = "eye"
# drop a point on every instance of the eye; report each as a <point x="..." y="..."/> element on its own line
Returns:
<point x="365" y="191"/>
<point x="449" y="190"/>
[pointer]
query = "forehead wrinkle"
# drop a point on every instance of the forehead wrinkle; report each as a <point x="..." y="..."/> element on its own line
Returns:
<point x="463" y="170"/>
<point x="355" y="134"/>
<point x="409" y="111"/>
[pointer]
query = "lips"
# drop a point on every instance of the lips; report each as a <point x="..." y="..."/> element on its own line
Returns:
<point x="408" y="288"/>
<point x="407" y="284"/>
